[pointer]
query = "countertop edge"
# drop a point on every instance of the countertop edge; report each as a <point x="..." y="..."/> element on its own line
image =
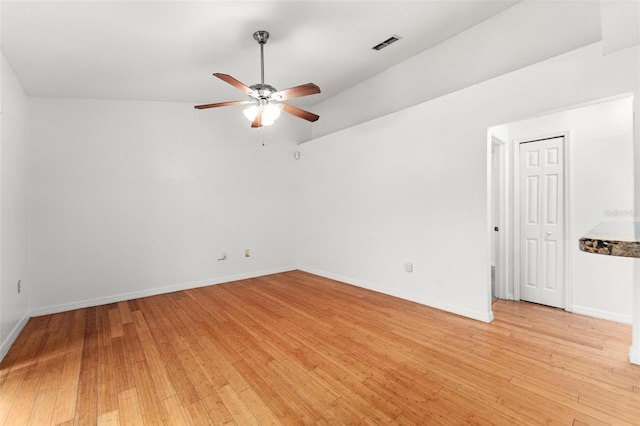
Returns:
<point x="610" y="247"/>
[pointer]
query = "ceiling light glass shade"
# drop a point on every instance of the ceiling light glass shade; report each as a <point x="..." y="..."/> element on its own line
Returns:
<point x="251" y="112"/>
<point x="270" y="113"/>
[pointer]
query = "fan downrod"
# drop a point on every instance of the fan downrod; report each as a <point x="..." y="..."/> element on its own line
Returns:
<point x="261" y="37"/>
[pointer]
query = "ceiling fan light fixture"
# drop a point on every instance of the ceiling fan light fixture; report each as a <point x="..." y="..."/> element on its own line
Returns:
<point x="270" y="113"/>
<point x="251" y="112"/>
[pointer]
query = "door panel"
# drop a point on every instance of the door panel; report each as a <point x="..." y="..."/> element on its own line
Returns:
<point x="551" y="156"/>
<point x="542" y="222"/>
<point x="551" y="260"/>
<point x="531" y="263"/>
<point x="551" y="189"/>
<point x="532" y="200"/>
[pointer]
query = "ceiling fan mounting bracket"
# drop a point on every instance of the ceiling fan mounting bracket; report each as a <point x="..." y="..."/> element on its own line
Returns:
<point x="261" y="36"/>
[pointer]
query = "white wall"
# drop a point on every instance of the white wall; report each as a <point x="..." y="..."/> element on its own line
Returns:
<point x="134" y="198"/>
<point x="413" y="185"/>
<point x="600" y="139"/>
<point x="13" y="211"/>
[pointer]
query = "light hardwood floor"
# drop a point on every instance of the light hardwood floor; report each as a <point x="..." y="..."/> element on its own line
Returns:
<point x="295" y="348"/>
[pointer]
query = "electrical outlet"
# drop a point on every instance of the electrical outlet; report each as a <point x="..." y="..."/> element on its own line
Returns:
<point x="19" y="286"/>
<point x="408" y="267"/>
<point x="247" y="252"/>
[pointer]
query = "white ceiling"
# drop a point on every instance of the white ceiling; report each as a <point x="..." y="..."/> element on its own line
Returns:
<point x="167" y="50"/>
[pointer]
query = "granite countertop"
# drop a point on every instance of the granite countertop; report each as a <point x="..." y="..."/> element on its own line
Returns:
<point x="613" y="238"/>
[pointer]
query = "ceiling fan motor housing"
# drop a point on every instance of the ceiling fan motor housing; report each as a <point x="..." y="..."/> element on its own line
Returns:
<point x="263" y="91"/>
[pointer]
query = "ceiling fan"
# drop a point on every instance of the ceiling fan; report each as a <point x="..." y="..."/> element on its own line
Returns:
<point x="266" y="100"/>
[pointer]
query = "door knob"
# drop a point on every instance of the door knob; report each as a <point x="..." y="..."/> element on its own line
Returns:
<point x="548" y="233"/>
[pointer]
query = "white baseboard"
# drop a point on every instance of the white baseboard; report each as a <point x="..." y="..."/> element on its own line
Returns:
<point x="63" y="307"/>
<point x="605" y="315"/>
<point x="634" y="355"/>
<point x="479" y="316"/>
<point x="11" y="338"/>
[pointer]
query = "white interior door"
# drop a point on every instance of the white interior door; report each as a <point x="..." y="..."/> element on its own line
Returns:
<point x="542" y="222"/>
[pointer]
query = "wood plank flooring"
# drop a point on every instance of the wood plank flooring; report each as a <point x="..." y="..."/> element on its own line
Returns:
<point x="294" y="348"/>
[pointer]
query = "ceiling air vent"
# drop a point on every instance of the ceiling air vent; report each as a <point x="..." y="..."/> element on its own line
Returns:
<point x="387" y="42"/>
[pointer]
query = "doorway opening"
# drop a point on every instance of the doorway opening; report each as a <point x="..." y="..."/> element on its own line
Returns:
<point x="591" y="141"/>
<point x="529" y="204"/>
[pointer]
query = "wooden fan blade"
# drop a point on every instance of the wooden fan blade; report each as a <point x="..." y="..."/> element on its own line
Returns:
<point x="221" y="104"/>
<point x="235" y="83"/>
<point x="300" y="113"/>
<point x="296" y="92"/>
<point x="257" y="122"/>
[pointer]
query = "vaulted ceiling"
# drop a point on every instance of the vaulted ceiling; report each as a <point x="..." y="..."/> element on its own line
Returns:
<point x="168" y="50"/>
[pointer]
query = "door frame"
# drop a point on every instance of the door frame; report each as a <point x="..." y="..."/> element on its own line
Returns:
<point x="515" y="241"/>
<point x="502" y="216"/>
